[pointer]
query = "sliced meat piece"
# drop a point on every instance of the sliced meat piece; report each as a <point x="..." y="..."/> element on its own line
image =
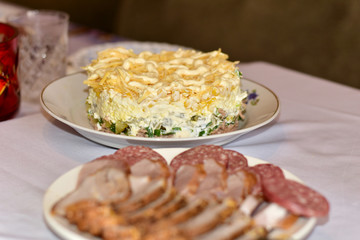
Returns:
<point x="255" y="233"/>
<point x="164" y="232"/>
<point x="296" y="197"/>
<point x="188" y="178"/>
<point x="92" y="218"/>
<point x="138" y="184"/>
<point x="167" y="228"/>
<point x="140" y="198"/>
<point x="206" y="180"/>
<point x="270" y="215"/>
<point x="214" y="183"/>
<point x="236" y="160"/>
<point x="265" y="172"/>
<point x="287" y="222"/>
<point x="75" y="212"/>
<point x="235" y="226"/>
<point x="123" y="232"/>
<point x="232" y="160"/>
<point x="167" y="209"/>
<point x="197" y="155"/>
<point x="99" y="163"/>
<point x="148" y="212"/>
<point x="208" y="219"/>
<point x="151" y="168"/>
<point x="192" y="209"/>
<point x="288" y="227"/>
<point x="236" y="185"/>
<point x="242" y="183"/>
<point x="249" y="205"/>
<point x="107" y="184"/>
<point x="268" y="170"/>
<point x="138" y="160"/>
<point x="133" y="154"/>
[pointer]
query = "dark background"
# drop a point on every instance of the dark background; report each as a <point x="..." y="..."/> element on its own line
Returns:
<point x="321" y="37"/>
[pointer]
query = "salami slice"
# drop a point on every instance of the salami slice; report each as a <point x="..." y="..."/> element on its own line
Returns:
<point x="296" y="197"/>
<point x="236" y="161"/>
<point x="268" y="171"/>
<point x="134" y="154"/>
<point x="230" y="159"/>
<point x="198" y="154"/>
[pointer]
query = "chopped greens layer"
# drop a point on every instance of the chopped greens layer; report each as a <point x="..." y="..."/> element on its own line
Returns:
<point x="218" y="119"/>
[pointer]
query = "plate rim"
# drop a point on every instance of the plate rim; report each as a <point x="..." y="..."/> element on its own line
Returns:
<point x="77" y="127"/>
<point x="57" y="227"/>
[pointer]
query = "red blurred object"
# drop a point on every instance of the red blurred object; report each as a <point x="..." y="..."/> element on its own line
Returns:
<point x="9" y="84"/>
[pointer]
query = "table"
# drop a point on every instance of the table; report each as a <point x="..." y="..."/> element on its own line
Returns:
<point x="316" y="137"/>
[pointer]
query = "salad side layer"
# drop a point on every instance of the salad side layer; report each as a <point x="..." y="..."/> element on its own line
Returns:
<point x="183" y="93"/>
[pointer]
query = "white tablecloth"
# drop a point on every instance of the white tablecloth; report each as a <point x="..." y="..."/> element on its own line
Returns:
<point x="316" y="137"/>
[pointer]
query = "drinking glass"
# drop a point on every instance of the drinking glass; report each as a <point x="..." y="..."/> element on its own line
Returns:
<point x="9" y="85"/>
<point x="43" y="43"/>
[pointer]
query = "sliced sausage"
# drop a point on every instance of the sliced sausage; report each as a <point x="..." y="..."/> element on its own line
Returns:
<point x="133" y="154"/>
<point x="236" y="161"/>
<point x="268" y="170"/>
<point x="296" y="197"/>
<point x="198" y="154"/>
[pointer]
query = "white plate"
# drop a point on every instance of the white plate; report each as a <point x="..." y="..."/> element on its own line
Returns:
<point x="64" y="99"/>
<point x="84" y="56"/>
<point x="66" y="183"/>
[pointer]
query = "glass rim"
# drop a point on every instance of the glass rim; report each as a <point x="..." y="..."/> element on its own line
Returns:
<point x="11" y="37"/>
<point x="28" y="14"/>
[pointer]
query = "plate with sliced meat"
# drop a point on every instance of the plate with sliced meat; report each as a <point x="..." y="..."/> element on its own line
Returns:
<point x="206" y="192"/>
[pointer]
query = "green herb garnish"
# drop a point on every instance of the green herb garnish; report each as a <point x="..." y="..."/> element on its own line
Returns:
<point x="238" y="73"/>
<point x="113" y="127"/>
<point x="149" y="132"/>
<point x="100" y="121"/>
<point x="195" y="118"/>
<point x="169" y="133"/>
<point x="157" y="132"/>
